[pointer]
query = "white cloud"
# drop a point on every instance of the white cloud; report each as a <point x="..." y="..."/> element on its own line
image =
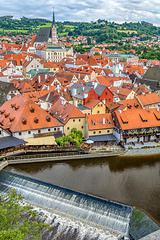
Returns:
<point x="88" y="10"/>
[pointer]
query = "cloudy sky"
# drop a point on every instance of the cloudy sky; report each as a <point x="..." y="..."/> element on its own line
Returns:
<point x="88" y="10"/>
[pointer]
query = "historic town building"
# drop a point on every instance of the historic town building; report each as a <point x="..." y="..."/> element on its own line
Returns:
<point x="47" y="45"/>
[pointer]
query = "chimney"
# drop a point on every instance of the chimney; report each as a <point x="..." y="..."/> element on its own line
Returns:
<point x="39" y="78"/>
<point x="117" y="91"/>
<point x="158" y="109"/>
<point x="58" y="88"/>
<point x="74" y="91"/>
<point x="65" y="90"/>
<point x="119" y="111"/>
<point x="63" y="102"/>
<point x="104" y="121"/>
<point x="45" y="76"/>
<point x="75" y="103"/>
<point x="95" y="85"/>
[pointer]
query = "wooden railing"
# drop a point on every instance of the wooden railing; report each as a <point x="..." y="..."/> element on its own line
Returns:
<point x="48" y="155"/>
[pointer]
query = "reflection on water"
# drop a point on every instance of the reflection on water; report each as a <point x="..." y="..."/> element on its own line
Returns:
<point x="130" y="180"/>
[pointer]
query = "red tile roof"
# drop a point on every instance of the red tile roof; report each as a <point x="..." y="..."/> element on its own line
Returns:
<point x="22" y="114"/>
<point x="148" y="99"/>
<point x="100" y="121"/>
<point x="65" y="112"/>
<point x="91" y="103"/>
<point x="138" y="118"/>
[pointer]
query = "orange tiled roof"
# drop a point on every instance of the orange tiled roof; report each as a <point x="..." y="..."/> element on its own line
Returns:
<point x="34" y="96"/>
<point x="22" y="114"/>
<point x="100" y="121"/>
<point x="122" y="92"/>
<point x="134" y="68"/>
<point x="148" y="99"/>
<point x="103" y="81"/>
<point x="130" y="104"/>
<point x="91" y="103"/>
<point x="138" y="118"/>
<point x="65" y="112"/>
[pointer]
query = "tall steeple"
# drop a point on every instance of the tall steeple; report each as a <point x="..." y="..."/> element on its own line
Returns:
<point x="54" y="34"/>
<point x="53" y="22"/>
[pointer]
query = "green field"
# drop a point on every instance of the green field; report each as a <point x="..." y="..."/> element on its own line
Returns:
<point x="126" y="31"/>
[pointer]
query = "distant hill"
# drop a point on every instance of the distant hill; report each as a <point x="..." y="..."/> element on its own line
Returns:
<point x="101" y="30"/>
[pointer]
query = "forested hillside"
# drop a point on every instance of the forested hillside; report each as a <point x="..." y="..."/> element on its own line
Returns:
<point x="101" y="30"/>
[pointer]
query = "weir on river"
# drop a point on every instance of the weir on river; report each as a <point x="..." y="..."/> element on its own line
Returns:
<point x="110" y="215"/>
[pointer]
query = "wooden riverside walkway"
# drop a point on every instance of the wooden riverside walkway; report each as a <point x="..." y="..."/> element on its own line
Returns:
<point x="51" y="157"/>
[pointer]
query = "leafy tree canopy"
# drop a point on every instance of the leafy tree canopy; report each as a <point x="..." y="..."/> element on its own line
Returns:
<point x="18" y="222"/>
<point x="74" y="137"/>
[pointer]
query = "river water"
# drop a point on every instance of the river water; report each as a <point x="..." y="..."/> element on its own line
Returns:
<point x="134" y="181"/>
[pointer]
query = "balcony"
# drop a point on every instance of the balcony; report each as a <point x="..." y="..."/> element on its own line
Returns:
<point x="136" y="134"/>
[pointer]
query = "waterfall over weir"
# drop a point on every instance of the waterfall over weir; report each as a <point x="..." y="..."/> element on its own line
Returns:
<point x="110" y="215"/>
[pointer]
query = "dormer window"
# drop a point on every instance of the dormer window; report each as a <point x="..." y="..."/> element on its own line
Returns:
<point x="11" y="119"/>
<point x="13" y="105"/>
<point x="6" y="115"/>
<point x="16" y="107"/>
<point x="24" y="121"/>
<point x="36" y="120"/>
<point x="32" y="110"/>
<point x="48" y="118"/>
<point x="2" y="111"/>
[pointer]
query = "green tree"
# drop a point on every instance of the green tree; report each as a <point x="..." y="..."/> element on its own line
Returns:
<point x="18" y="222"/>
<point x="97" y="54"/>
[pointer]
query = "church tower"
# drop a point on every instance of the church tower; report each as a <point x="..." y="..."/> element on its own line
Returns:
<point x="54" y="34"/>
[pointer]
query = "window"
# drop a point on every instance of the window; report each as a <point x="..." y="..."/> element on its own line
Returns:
<point x="49" y="129"/>
<point x="125" y="131"/>
<point x="55" y="129"/>
<point x="29" y="132"/>
<point x="79" y="120"/>
<point x="109" y="99"/>
<point x="73" y="120"/>
<point x="39" y="131"/>
<point x="94" y="132"/>
<point x="0" y="132"/>
<point x="82" y="127"/>
<point x="36" y="120"/>
<point x="139" y="130"/>
<point x="106" y="93"/>
<point x="107" y="131"/>
<point x="67" y="128"/>
<point x="99" y="131"/>
<point x="97" y="112"/>
<point x="20" y="133"/>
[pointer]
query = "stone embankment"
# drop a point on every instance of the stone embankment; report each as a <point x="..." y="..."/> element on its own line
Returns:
<point x="3" y="164"/>
<point x="48" y="158"/>
<point x="152" y="236"/>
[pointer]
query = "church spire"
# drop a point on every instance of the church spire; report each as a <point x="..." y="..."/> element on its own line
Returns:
<point x="53" y="23"/>
<point x="54" y="34"/>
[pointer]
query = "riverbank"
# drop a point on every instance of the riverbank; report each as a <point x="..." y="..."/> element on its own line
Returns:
<point x="95" y="153"/>
<point x="142" y="151"/>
